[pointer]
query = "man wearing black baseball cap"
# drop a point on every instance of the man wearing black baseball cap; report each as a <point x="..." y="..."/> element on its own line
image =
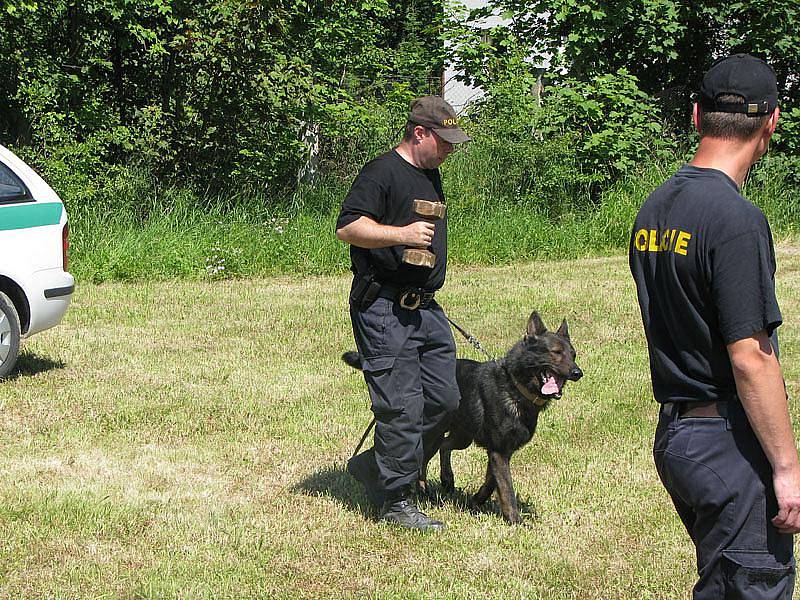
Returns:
<point x="395" y="221"/>
<point x="703" y="260"/>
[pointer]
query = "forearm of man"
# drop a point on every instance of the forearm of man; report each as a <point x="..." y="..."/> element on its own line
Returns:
<point x="367" y="233"/>
<point x="759" y="384"/>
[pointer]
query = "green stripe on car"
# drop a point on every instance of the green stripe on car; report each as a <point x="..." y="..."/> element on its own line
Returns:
<point x="23" y="216"/>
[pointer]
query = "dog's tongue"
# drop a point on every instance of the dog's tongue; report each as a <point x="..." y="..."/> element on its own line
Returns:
<point x="550" y="386"/>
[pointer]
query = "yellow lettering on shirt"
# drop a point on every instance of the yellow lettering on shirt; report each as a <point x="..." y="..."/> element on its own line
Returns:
<point x="653" y="240"/>
<point x="653" y="245"/>
<point x="664" y="245"/>
<point x="640" y="240"/>
<point x="682" y="242"/>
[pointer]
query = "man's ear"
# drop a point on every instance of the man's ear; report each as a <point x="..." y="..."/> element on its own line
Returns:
<point x="773" y="120"/>
<point x="696" y="117"/>
<point x="769" y="129"/>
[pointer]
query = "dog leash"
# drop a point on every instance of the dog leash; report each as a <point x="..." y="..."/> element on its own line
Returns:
<point x="470" y="338"/>
<point x="364" y="437"/>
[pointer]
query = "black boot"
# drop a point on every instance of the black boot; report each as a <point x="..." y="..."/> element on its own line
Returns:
<point x="364" y="468"/>
<point x="400" y="511"/>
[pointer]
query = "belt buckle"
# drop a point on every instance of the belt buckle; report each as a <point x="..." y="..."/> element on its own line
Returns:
<point x="411" y="298"/>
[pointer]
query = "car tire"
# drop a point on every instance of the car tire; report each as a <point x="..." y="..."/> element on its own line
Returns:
<point x="9" y="335"/>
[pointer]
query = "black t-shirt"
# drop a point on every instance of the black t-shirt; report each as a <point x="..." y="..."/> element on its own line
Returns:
<point x="384" y="191"/>
<point x="704" y="265"/>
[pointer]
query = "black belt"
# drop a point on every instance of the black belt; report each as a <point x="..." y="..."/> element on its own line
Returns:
<point x="686" y="410"/>
<point x="409" y="297"/>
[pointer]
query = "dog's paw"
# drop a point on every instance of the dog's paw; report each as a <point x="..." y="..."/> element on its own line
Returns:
<point x="476" y="503"/>
<point x="436" y="496"/>
<point x="515" y="520"/>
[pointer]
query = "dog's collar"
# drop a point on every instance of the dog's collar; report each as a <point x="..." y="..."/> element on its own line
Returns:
<point x="526" y="393"/>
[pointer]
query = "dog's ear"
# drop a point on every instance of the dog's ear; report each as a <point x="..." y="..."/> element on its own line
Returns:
<point x="535" y="326"/>
<point x="563" y="331"/>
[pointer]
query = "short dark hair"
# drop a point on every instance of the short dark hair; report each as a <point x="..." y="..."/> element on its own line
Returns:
<point x="731" y="126"/>
<point x="408" y="134"/>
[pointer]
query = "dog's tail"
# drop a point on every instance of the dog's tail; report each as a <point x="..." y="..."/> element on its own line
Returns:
<point x="353" y="359"/>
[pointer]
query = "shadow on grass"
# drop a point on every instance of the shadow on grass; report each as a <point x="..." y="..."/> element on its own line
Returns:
<point x="462" y="501"/>
<point x="29" y="364"/>
<point x="335" y="482"/>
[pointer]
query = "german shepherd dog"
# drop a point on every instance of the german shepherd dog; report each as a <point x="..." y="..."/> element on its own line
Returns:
<point x="500" y="405"/>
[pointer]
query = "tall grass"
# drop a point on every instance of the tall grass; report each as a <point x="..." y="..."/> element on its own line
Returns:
<point x="773" y="185"/>
<point x="499" y="213"/>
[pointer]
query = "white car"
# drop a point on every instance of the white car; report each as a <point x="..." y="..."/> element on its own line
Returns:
<point x="35" y="287"/>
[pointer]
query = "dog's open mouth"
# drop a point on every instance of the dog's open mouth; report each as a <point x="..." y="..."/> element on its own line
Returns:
<point x="551" y="384"/>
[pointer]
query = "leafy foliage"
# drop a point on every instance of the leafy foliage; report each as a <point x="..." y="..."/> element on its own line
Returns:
<point x="616" y="124"/>
<point x="223" y="97"/>
<point x="666" y="45"/>
<point x="598" y="127"/>
<point x="615" y="77"/>
<point x="662" y="42"/>
<point x="210" y="92"/>
<point x="513" y="158"/>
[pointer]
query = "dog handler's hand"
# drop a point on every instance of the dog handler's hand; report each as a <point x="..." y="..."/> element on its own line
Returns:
<point x="787" y="491"/>
<point x="418" y="234"/>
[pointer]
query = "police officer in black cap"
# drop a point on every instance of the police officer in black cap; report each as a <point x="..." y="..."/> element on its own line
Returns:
<point x="395" y="222"/>
<point x="703" y="260"/>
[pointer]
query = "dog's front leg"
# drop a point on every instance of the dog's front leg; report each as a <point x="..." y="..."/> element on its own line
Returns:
<point x="446" y="468"/>
<point x="422" y="480"/>
<point x="457" y="440"/>
<point x="488" y="486"/>
<point x="505" y="490"/>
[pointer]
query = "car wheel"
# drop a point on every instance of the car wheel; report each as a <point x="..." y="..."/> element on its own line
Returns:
<point x="9" y="335"/>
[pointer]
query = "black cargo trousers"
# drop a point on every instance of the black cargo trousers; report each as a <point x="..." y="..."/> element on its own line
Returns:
<point x="720" y="482"/>
<point x="409" y="363"/>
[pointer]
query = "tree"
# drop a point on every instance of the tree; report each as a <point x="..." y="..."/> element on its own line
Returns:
<point x="665" y="44"/>
<point x="208" y="92"/>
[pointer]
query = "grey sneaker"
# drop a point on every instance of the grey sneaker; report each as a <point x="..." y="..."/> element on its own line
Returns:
<point x="365" y="470"/>
<point x="406" y="514"/>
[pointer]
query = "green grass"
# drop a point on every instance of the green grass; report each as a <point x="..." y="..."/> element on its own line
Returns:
<point x="186" y="439"/>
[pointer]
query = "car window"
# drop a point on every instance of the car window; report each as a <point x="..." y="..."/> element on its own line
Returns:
<point x="11" y="187"/>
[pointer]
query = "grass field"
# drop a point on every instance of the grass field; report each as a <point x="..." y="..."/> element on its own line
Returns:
<point x="187" y="440"/>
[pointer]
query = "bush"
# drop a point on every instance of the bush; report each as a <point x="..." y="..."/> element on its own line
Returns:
<point x="616" y="124"/>
<point x="556" y="153"/>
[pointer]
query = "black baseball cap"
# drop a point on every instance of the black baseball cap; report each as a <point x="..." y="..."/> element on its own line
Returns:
<point x="742" y="75"/>
<point x="436" y="114"/>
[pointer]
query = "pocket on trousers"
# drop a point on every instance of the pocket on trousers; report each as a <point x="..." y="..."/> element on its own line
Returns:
<point x="757" y="575"/>
<point x="371" y="327"/>
<point x="378" y="371"/>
